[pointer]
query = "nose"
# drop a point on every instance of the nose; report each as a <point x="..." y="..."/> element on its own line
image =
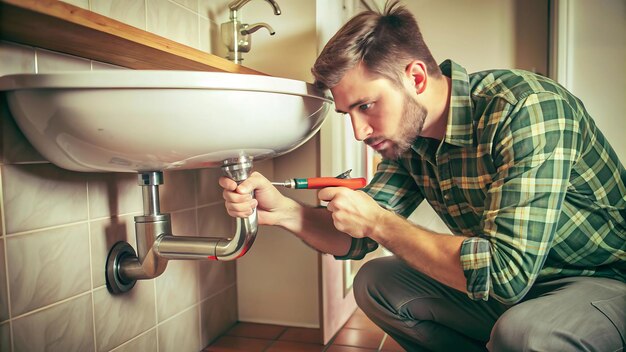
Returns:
<point x="360" y="127"/>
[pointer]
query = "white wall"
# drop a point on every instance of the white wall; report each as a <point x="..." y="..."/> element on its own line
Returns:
<point x="591" y="57"/>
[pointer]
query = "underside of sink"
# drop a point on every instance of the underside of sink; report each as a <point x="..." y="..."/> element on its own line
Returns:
<point x="136" y="121"/>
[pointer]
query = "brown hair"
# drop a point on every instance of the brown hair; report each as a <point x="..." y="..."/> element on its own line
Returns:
<point x="384" y="42"/>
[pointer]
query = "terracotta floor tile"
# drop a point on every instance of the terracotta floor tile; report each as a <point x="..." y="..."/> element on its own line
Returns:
<point x="238" y="344"/>
<point x="259" y="331"/>
<point x="302" y="335"/>
<point x="289" y="346"/>
<point x="390" y="345"/>
<point x="358" y="335"/>
<point x="359" y="338"/>
<point x="338" y="348"/>
<point x="360" y="321"/>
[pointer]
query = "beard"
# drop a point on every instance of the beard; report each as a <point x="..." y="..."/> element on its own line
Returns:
<point x="411" y="124"/>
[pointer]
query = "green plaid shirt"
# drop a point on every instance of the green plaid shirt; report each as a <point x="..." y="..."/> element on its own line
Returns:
<point x="524" y="174"/>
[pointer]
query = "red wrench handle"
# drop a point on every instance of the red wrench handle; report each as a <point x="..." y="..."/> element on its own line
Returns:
<point x="322" y="182"/>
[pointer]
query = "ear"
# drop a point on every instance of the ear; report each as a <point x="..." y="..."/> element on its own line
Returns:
<point x="416" y="70"/>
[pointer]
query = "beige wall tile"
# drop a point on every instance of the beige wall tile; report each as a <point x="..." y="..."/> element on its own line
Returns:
<point x="172" y="21"/>
<point x="204" y="26"/>
<point x="218" y="314"/>
<point x="104" y="234"/>
<point x="147" y="342"/>
<point x="42" y="195"/>
<point x="131" y="12"/>
<point x="48" y="266"/>
<point x="181" y="333"/>
<point x="215" y="10"/>
<point x="215" y="276"/>
<point x="123" y="317"/>
<point x="16" y="58"/>
<point x="177" y="288"/>
<point x="184" y="223"/>
<point x="50" y="61"/>
<point x="209" y="190"/>
<point x="190" y="4"/>
<point x="4" y="298"/>
<point x="42" y="331"/>
<point x="214" y="221"/>
<point x="113" y="194"/>
<point x="5" y="337"/>
<point x="178" y="191"/>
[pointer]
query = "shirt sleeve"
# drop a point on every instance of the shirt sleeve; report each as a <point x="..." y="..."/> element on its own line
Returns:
<point x="534" y="151"/>
<point x="394" y="189"/>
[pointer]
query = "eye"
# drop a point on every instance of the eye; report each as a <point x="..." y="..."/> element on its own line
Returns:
<point x="365" y="107"/>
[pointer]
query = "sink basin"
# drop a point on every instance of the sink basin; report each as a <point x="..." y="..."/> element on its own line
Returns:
<point x="137" y="121"/>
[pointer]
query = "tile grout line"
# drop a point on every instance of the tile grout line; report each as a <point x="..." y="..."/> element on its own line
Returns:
<point x="81" y="222"/>
<point x="51" y="305"/>
<point x="145" y="15"/>
<point x="156" y="312"/>
<point x="131" y="340"/>
<point x="44" y="229"/>
<point x="196" y="233"/>
<point x="93" y="303"/>
<point x="6" y="260"/>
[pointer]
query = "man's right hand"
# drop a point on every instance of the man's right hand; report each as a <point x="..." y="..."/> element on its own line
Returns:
<point x="272" y="206"/>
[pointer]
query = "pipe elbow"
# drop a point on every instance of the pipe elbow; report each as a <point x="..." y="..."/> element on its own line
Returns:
<point x="236" y="247"/>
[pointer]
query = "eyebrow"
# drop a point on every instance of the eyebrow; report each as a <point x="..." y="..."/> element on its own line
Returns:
<point x="357" y="103"/>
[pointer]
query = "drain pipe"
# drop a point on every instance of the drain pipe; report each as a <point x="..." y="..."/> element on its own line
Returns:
<point x="156" y="244"/>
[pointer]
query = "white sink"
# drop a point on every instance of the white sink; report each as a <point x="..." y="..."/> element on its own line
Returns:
<point x="135" y="121"/>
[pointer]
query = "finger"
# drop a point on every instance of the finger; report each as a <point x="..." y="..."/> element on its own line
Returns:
<point x="241" y="207"/>
<point x="227" y="183"/>
<point x="241" y="210"/>
<point x="327" y="194"/>
<point x="252" y="183"/>
<point x="234" y="197"/>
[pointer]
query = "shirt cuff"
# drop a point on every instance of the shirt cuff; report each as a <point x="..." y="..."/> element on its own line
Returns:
<point x="476" y="263"/>
<point x="359" y="248"/>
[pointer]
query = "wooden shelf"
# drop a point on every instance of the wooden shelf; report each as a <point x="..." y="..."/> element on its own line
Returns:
<point x="65" y="28"/>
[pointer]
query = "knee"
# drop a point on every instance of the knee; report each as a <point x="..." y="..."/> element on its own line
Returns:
<point x="365" y="280"/>
<point x="510" y="332"/>
<point x="523" y="329"/>
<point x="370" y="282"/>
<point x="517" y="330"/>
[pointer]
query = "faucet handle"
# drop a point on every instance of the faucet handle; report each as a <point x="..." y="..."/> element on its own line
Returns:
<point x="249" y="29"/>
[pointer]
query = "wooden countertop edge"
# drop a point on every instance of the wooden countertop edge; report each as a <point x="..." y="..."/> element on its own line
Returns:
<point x="62" y="27"/>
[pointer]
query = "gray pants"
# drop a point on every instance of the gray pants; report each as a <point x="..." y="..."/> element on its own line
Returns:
<point x="571" y="314"/>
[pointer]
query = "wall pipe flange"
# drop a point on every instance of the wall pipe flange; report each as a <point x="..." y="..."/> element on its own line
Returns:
<point x="118" y="253"/>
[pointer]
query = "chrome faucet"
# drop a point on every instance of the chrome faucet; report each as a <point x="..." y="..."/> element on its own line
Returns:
<point x="236" y="35"/>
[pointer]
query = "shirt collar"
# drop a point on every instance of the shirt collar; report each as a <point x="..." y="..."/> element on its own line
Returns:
<point x="459" y="130"/>
<point x="460" y="123"/>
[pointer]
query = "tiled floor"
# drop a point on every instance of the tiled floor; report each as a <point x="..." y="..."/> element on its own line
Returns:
<point x="358" y="335"/>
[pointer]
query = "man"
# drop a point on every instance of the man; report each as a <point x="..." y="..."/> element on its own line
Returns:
<point x="513" y="164"/>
